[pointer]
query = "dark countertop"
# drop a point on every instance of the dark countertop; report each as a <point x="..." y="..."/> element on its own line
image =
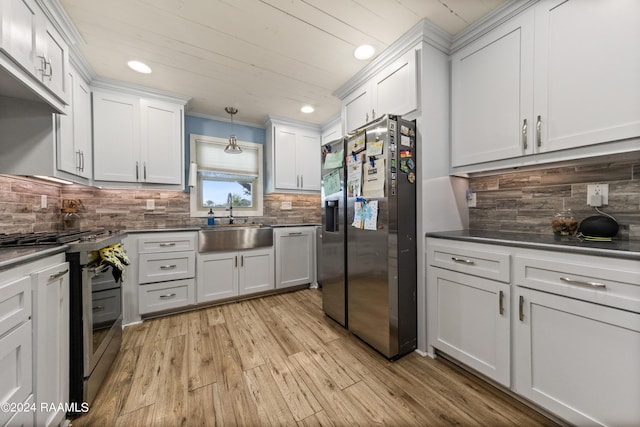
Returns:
<point x="204" y="227"/>
<point x="629" y="249"/>
<point x="295" y="225"/>
<point x="12" y="257"/>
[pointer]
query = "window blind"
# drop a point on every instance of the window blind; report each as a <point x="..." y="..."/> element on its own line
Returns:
<point x="211" y="157"/>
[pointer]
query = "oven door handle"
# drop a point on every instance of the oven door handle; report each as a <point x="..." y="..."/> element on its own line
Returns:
<point x="99" y="269"/>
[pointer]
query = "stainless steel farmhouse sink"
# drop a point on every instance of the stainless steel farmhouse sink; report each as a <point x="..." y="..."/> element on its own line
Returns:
<point x="234" y="237"/>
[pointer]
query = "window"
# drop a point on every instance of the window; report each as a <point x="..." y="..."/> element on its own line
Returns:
<point x="226" y="178"/>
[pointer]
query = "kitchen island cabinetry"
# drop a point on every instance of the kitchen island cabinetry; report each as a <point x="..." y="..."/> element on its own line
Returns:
<point x="393" y="90"/>
<point x="223" y="275"/>
<point x="33" y="53"/>
<point x="294" y="248"/>
<point x="525" y="89"/>
<point x="292" y="157"/>
<point x="574" y="319"/>
<point x="137" y="139"/>
<point x="166" y="271"/>
<point x="468" y="296"/>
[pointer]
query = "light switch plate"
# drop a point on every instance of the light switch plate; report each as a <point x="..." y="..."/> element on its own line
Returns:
<point x="43" y="202"/>
<point x="285" y="206"/>
<point x="151" y="204"/>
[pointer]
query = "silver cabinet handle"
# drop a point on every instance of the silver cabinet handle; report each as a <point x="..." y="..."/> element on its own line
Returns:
<point x="167" y="296"/>
<point x="236" y="257"/>
<point x="373" y="113"/>
<point x="137" y="174"/>
<point x="301" y="181"/>
<point x="98" y="308"/>
<point x="164" y="245"/>
<point x="144" y="170"/>
<point x="167" y="267"/>
<point x="501" y="303"/>
<point x="366" y="118"/>
<point x="295" y="233"/>
<point x="521" y="308"/>
<point x="241" y="260"/>
<point x="46" y="63"/>
<point x="58" y="274"/>
<point x="82" y="160"/>
<point x="583" y="283"/>
<point x="539" y="131"/>
<point x="463" y="261"/>
<point x="524" y="134"/>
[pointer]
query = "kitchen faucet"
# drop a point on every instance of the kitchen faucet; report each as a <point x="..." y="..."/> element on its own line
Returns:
<point x="230" y="208"/>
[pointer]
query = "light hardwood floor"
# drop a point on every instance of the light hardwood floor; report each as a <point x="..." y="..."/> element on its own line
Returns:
<point x="278" y="360"/>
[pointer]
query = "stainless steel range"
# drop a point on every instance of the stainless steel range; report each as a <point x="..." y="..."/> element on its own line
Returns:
<point x="95" y="305"/>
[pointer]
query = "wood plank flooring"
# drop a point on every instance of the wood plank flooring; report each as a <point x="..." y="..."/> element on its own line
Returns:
<point x="278" y="360"/>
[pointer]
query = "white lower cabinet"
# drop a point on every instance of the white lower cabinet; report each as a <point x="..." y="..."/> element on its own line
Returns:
<point x="16" y="370"/>
<point x="227" y="274"/>
<point x="294" y="247"/>
<point x="51" y="343"/>
<point x="573" y="319"/>
<point x="577" y="359"/>
<point x="166" y="295"/>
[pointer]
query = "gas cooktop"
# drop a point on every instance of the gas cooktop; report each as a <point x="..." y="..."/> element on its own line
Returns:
<point x="53" y="238"/>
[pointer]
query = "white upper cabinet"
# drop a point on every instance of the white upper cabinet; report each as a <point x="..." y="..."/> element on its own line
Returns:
<point x="587" y="68"/>
<point x="30" y="40"/>
<point x="293" y="157"/>
<point x="393" y="90"/>
<point x="562" y="75"/>
<point x="137" y="140"/>
<point x="491" y="95"/>
<point x="74" y="149"/>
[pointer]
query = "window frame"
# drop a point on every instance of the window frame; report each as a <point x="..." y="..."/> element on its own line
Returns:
<point x="196" y="211"/>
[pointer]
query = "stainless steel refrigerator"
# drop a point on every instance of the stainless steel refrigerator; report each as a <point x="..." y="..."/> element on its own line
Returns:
<point x="379" y="230"/>
<point x="331" y="237"/>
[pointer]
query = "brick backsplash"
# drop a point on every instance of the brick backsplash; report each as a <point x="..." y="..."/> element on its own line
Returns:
<point x="525" y="201"/>
<point x="124" y="209"/>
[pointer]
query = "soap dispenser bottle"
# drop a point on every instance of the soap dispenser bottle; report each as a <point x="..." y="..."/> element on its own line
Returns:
<point x="211" y="220"/>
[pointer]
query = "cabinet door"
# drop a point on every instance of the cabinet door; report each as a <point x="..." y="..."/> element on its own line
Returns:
<point x="308" y="161"/>
<point x="162" y="148"/>
<point x="67" y="158"/>
<point x="294" y="257"/>
<point x="15" y="368"/>
<point x="51" y="338"/>
<point x="217" y="276"/>
<point x="577" y="359"/>
<point x="116" y="133"/>
<point x="396" y="87"/>
<point x="356" y="108"/>
<point x="587" y="65"/>
<point x="20" y="22"/>
<point x="256" y="271"/>
<point x="53" y="48"/>
<point x="492" y="95"/>
<point x="285" y="171"/>
<point x="472" y="322"/>
<point x="82" y="140"/>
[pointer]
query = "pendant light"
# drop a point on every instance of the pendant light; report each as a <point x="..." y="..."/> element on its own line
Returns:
<point x="232" y="147"/>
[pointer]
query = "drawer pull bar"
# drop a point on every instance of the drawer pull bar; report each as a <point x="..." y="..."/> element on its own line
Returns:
<point x="521" y="309"/>
<point x="501" y="303"/>
<point x="58" y="274"/>
<point x="463" y="261"/>
<point x="296" y="233"/>
<point x="98" y="308"/>
<point x="167" y="296"/>
<point x="164" y="245"/>
<point x="167" y="267"/>
<point x="583" y="283"/>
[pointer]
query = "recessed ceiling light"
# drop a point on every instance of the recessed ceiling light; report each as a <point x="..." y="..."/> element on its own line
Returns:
<point x="307" y="109"/>
<point x="139" y="67"/>
<point x="363" y="52"/>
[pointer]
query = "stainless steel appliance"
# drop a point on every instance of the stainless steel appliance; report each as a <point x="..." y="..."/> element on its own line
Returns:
<point x="332" y="238"/>
<point x="380" y="271"/>
<point x="95" y="306"/>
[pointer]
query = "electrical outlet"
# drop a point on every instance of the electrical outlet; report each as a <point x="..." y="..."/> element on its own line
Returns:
<point x="285" y="206"/>
<point x="151" y="204"/>
<point x="43" y="202"/>
<point x="471" y="200"/>
<point x="601" y="190"/>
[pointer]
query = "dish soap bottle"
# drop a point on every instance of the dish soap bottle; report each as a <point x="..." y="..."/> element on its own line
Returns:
<point x="211" y="220"/>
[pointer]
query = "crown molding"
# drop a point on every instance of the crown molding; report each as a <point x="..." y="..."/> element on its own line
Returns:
<point x="274" y="120"/>
<point x="138" y="90"/>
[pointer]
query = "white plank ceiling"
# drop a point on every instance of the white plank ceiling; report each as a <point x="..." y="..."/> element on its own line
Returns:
<point x="261" y="56"/>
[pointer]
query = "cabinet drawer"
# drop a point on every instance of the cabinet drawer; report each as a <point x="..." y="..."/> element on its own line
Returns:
<point x="15" y="303"/>
<point x="478" y="260"/>
<point x="166" y="295"/>
<point x="167" y="242"/>
<point x="606" y="281"/>
<point x="15" y="368"/>
<point x="159" y="267"/>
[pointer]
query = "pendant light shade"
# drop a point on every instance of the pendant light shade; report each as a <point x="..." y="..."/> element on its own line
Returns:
<point x="232" y="147"/>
